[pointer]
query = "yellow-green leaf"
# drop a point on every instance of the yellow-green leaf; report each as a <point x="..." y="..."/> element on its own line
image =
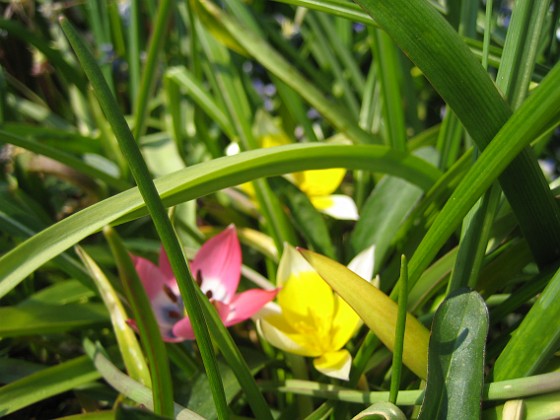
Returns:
<point x="377" y="310"/>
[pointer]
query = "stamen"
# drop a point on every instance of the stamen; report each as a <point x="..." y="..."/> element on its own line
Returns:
<point x="198" y="278"/>
<point x="172" y="296"/>
<point x="174" y="314"/>
<point x="209" y="294"/>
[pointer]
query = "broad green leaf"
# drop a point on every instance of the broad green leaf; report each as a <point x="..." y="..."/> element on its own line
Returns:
<point x="202" y="179"/>
<point x="456" y="358"/>
<point x="537" y="338"/>
<point x="377" y="310"/>
<point x="40" y="318"/>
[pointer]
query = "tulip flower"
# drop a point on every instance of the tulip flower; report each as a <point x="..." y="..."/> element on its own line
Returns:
<point x="217" y="270"/>
<point x="310" y="319"/>
<point x="319" y="184"/>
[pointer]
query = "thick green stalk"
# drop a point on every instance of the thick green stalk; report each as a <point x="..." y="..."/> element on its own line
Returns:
<point x="156" y="209"/>
<point x="429" y="41"/>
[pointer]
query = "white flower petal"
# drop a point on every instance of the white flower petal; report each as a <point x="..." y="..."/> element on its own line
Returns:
<point x="278" y="339"/>
<point x="338" y="206"/>
<point x="292" y="263"/>
<point x="336" y="364"/>
<point x="363" y="263"/>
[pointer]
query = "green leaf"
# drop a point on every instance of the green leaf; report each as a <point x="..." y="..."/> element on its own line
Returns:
<point x="46" y="383"/>
<point x="242" y="370"/>
<point x="456" y="358"/>
<point x="202" y="179"/>
<point x="377" y="310"/>
<point x="125" y="385"/>
<point x="129" y="346"/>
<point x="306" y="219"/>
<point x="40" y="318"/>
<point x="391" y="201"/>
<point x="536" y="339"/>
<point x="434" y="46"/>
<point x="150" y="335"/>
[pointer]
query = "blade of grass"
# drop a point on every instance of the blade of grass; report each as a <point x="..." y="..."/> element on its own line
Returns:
<point x="131" y="351"/>
<point x="148" y="328"/>
<point x="454" y="72"/>
<point x="542" y="108"/>
<point x="396" y="367"/>
<point x="65" y="158"/>
<point x="147" y="82"/>
<point x="159" y="216"/>
<point x="236" y="362"/>
<point x="388" y="71"/>
<point x="126" y="385"/>
<point x="338" y="116"/>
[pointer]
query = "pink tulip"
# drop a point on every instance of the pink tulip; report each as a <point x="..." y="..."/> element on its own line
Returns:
<point x="217" y="269"/>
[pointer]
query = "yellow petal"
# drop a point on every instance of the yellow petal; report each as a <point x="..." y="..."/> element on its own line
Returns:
<point x="274" y="330"/>
<point x="335" y="364"/>
<point x="275" y="139"/>
<point x="307" y="303"/>
<point x="319" y="182"/>
<point x="337" y="206"/>
<point x="378" y="311"/>
<point x="345" y="323"/>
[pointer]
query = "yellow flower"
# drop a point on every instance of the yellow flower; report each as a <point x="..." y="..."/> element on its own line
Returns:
<point x="309" y="318"/>
<point x="319" y="184"/>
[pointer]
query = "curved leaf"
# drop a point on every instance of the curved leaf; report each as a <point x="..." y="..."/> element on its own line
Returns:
<point x="456" y="358"/>
<point x="377" y="310"/>
<point x="202" y="179"/>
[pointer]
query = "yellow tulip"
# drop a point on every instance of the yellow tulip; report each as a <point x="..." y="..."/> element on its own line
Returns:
<point x="318" y="184"/>
<point x="309" y="318"/>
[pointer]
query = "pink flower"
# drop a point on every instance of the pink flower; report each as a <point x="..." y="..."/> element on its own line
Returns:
<point x="217" y="270"/>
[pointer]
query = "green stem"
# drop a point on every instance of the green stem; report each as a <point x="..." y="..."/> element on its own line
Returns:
<point x="158" y="213"/>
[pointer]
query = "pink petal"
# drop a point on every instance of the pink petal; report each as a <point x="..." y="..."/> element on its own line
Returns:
<point x="244" y="305"/>
<point x="151" y="276"/>
<point x="219" y="264"/>
<point x="183" y="329"/>
<point x="164" y="265"/>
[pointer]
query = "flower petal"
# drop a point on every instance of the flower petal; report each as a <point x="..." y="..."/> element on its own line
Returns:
<point x="363" y="263"/>
<point x="151" y="276"/>
<point x="244" y="305"/>
<point x="278" y="338"/>
<point x="165" y="265"/>
<point x="337" y="206"/>
<point x="292" y="263"/>
<point x="335" y="364"/>
<point x="219" y="263"/>
<point x="183" y="330"/>
<point x="307" y="303"/>
<point x="344" y="324"/>
<point x="319" y="182"/>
